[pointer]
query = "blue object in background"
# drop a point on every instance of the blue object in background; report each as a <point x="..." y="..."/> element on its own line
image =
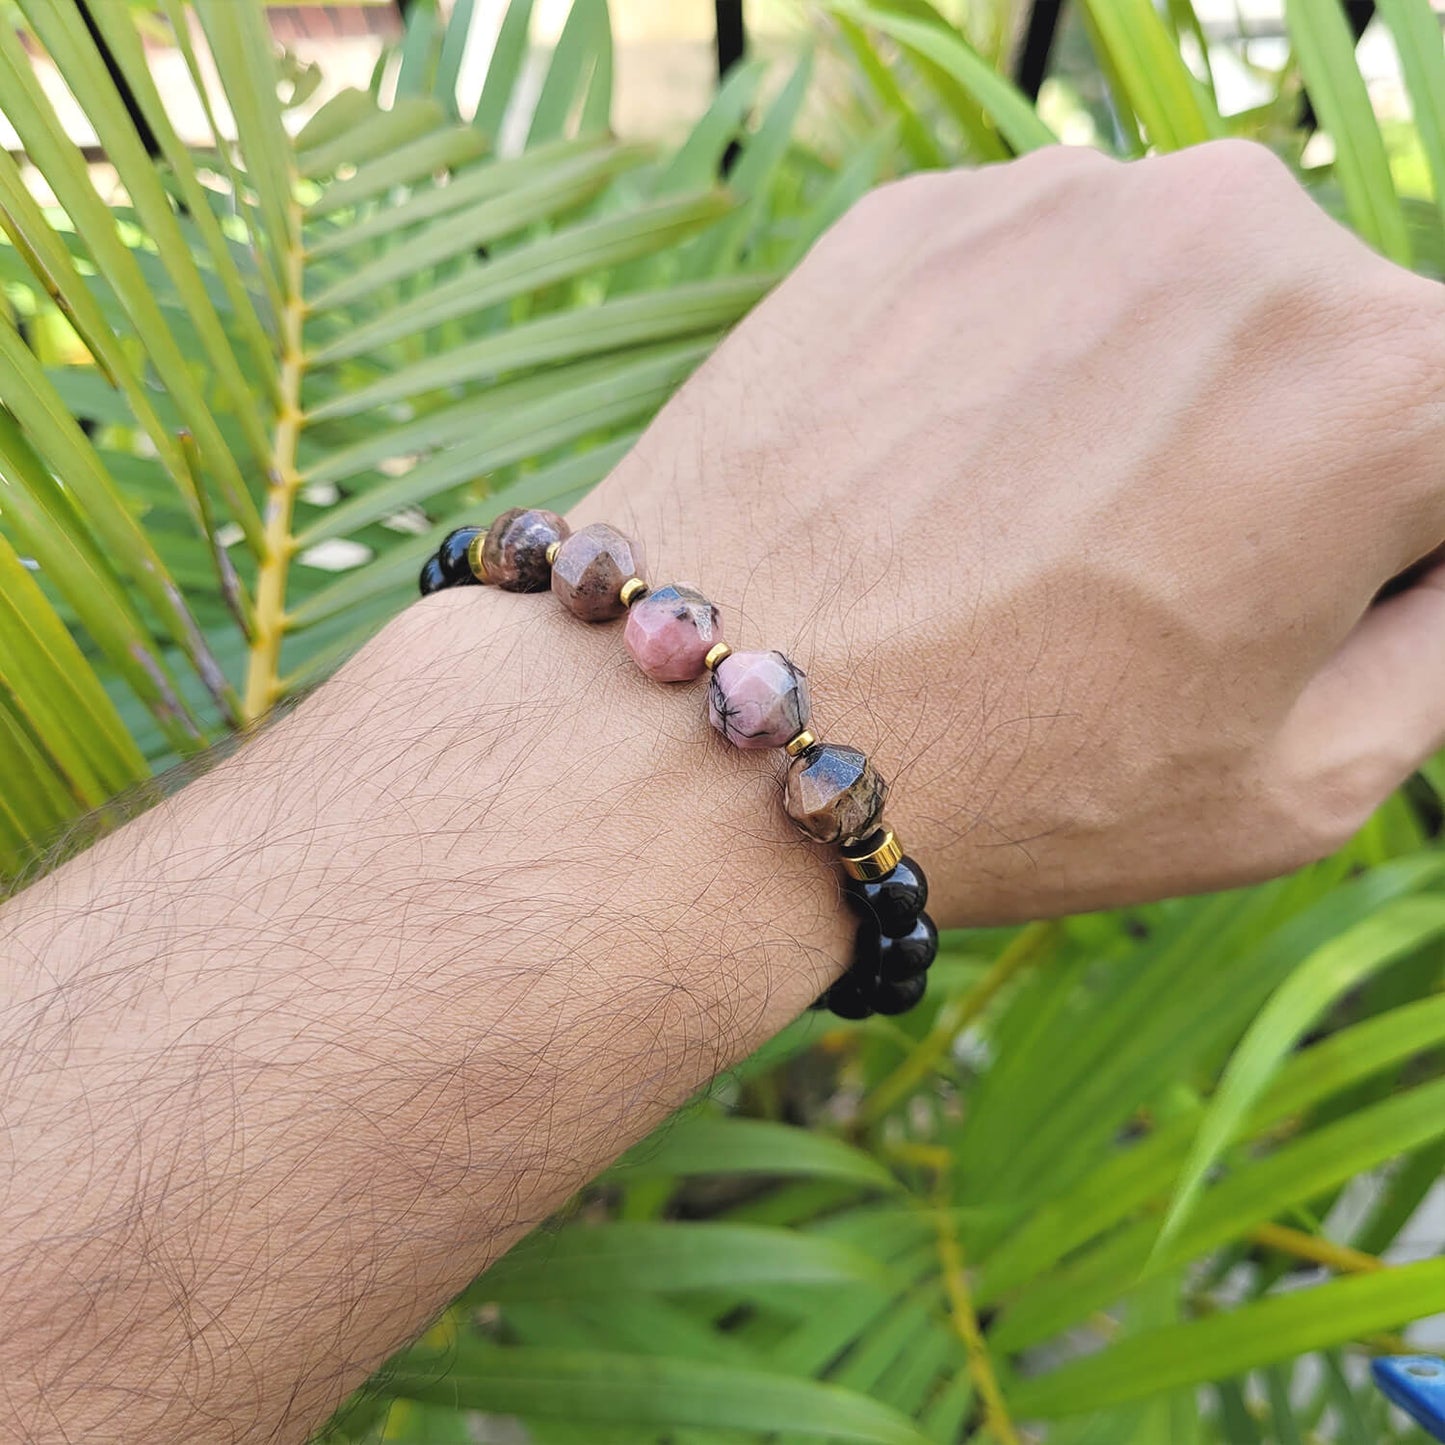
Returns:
<point x="1416" y="1383"/>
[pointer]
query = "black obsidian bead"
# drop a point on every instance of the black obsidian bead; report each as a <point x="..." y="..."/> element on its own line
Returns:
<point x="452" y="554"/>
<point x="432" y="578"/>
<point x="851" y="997"/>
<point x="895" y="900"/>
<point x="898" y="995"/>
<point x="912" y="955"/>
<point x="893" y="958"/>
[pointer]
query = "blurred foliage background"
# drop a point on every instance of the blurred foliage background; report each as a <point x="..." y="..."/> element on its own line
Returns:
<point x="1153" y="1177"/>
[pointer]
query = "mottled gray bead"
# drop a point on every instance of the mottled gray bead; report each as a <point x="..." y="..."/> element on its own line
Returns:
<point x="834" y="794"/>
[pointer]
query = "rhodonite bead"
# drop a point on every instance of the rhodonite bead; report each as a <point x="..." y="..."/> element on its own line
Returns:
<point x="670" y="631"/>
<point x="894" y="900"/>
<point x="834" y="794"/>
<point x="452" y="555"/>
<point x="432" y="578"/>
<point x="757" y="699"/>
<point x="589" y="569"/>
<point x="515" y="552"/>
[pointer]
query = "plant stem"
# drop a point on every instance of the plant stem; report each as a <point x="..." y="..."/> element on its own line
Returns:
<point x="1027" y="948"/>
<point x="1339" y="1257"/>
<point x="961" y="1315"/>
<point x="264" y="670"/>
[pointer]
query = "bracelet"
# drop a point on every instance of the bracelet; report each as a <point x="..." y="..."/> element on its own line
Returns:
<point x="755" y="700"/>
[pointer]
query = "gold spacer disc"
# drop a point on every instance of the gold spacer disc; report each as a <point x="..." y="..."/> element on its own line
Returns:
<point x="715" y="654"/>
<point x="474" y="556"/>
<point x="552" y="549"/>
<point x="875" y="857"/>
<point x="631" y="590"/>
<point x="799" y="744"/>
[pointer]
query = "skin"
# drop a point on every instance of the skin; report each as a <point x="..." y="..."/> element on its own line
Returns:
<point x="1070" y="485"/>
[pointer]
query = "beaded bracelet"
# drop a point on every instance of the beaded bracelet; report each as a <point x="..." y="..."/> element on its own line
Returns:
<point x="755" y="700"/>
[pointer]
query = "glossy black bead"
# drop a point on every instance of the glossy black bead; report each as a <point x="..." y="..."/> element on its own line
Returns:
<point x="432" y="578"/>
<point x="851" y="997"/>
<point x="898" y="995"/>
<point x="904" y="957"/>
<point x="913" y="954"/>
<point x="452" y="555"/>
<point x="895" y="900"/>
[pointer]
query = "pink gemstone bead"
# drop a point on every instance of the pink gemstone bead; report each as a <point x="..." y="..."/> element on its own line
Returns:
<point x="670" y="631"/>
<point x="589" y="568"/>
<point x="758" y="699"/>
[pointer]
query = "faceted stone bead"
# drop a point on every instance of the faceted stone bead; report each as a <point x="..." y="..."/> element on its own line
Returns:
<point x="670" y="631"/>
<point x="851" y="997"/>
<point x="834" y="794"/>
<point x="452" y="555"/>
<point x="432" y="578"/>
<point x="590" y="567"/>
<point x="758" y="699"/>
<point x="895" y="900"/>
<point x="898" y="995"/>
<point x="515" y="552"/>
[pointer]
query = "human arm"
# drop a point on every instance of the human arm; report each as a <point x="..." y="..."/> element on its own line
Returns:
<point x="1070" y="485"/>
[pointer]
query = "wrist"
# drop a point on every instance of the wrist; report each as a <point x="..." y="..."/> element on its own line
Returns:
<point x="574" y="803"/>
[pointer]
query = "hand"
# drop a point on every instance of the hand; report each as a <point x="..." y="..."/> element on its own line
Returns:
<point x="1070" y="484"/>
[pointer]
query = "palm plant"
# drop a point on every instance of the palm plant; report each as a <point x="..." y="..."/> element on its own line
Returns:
<point x="1074" y="1197"/>
<point x="245" y="397"/>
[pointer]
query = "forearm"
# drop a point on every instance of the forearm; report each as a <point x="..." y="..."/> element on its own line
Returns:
<point x="293" y="1056"/>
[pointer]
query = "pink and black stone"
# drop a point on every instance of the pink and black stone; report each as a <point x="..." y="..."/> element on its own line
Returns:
<point x="515" y="552"/>
<point x="834" y="794"/>
<point x="758" y="699"/>
<point x="670" y="632"/>
<point x="589" y="569"/>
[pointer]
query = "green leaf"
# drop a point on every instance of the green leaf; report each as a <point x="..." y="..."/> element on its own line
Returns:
<point x="651" y="1394"/>
<point x="55" y="689"/>
<point x="923" y="151"/>
<point x="418" y="160"/>
<point x="240" y="45"/>
<point x="1418" y="42"/>
<point x="572" y="251"/>
<point x="1011" y="113"/>
<point x="581" y="63"/>
<point x="503" y="69"/>
<point x="1333" y="969"/>
<point x="606" y="1258"/>
<point x="449" y="62"/>
<point x="704" y="1145"/>
<point x="566" y="336"/>
<point x="379" y="134"/>
<point x="1174" y="107"/>
<point x="558" y="189"/>
<point x="1327" y="58"/>
<point x="1240" y="1339"/>
<point x="524" y="418"/>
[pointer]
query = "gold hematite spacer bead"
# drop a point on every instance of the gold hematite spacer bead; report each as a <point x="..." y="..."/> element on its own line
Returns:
<point x="552" y="549"/>
<point x="875" y="857"/>
<point x="631" y="590"/>
<point x="715" y="655"/>
<point x="799" y="743"/>
<point x="474" y="556"/>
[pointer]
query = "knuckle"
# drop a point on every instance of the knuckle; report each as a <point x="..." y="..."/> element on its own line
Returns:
<point x="1062" y="162"/>
<point x="1335" y="801"/>
<point x="1234" y="165"/>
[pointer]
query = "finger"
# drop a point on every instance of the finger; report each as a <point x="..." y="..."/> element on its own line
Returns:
<point x="1376" y="710"/>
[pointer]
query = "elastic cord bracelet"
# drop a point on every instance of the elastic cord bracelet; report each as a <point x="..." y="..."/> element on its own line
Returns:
<point x="755" y="700"/>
